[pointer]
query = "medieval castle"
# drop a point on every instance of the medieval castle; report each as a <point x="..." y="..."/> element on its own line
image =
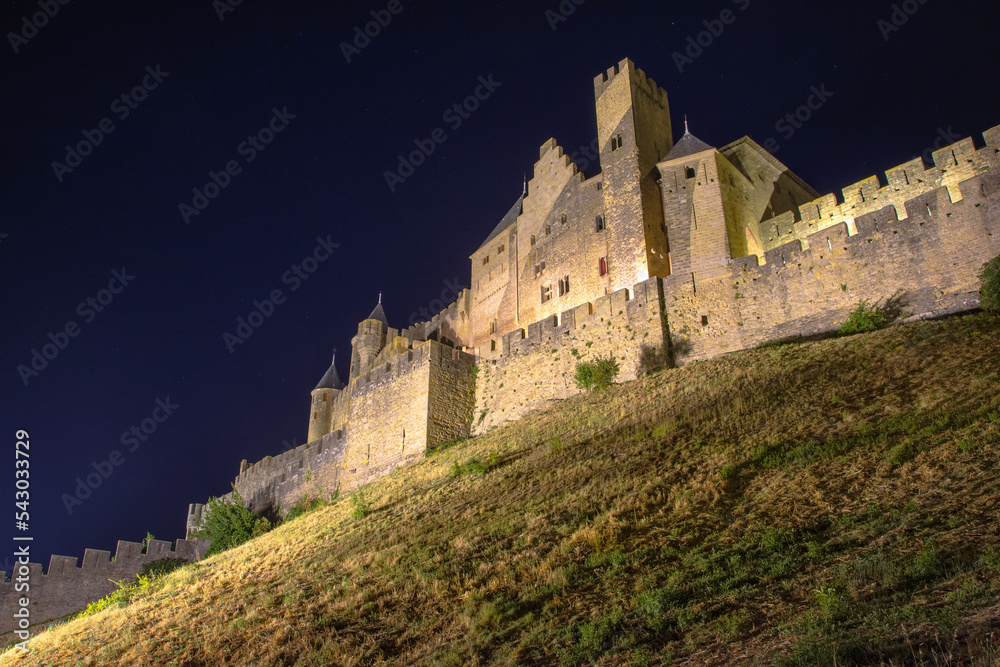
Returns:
<point x="676" y="251"/>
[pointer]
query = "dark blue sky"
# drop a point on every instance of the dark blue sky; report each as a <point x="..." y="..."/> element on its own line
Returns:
<point x="198" y="87"/>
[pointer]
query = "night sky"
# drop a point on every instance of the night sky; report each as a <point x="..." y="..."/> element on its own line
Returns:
<point x="99" y="246"/>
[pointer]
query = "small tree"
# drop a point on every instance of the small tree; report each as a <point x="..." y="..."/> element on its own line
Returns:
<point x="989" y="285"/>
<point x="229" y="523"/>
<point x="597" y="375"/>
<point x="864" y="318"/>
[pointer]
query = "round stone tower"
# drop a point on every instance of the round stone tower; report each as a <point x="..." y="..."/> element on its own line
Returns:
<point x="369" y="341"/>
<point x="324" y="400"/>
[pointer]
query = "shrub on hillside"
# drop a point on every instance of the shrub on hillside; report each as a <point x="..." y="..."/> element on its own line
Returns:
<point x="653" y="360"/>
<point x="989" y="285"/>
<point x="597" y="375"/>
<point x="867" y="316"/>
<point x="303" y="506"/>
<point x="229" y="523"/>
<point x="161" y="567"/>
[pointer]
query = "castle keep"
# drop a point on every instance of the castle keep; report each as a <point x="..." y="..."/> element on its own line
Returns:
<point x="675" y="250"/>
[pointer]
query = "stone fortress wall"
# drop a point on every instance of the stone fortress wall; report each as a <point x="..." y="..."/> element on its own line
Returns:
<point x="675" y="249"/>
<point x="65" y="588"/>
<point x="537" y="365"/>
<point x="420" y="394"/>
<point x="923" y="253"/>
<point x="952" y="165"/>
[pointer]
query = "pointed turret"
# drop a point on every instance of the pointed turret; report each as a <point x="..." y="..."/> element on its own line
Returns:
<point x="370" y="340"/>
<point x="378" y="313"/>
<point x="688" y="145"/>
<point x="324" y="402"/>
<point x="331" y="379"/>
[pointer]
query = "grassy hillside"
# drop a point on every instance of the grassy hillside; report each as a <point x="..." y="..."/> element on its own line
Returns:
<point x="833" y="502"/>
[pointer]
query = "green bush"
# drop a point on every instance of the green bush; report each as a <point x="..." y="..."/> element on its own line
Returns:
<point x="229" y="523"/>
<point x="864" y="318"/>
<point x="118" y="598"/>
<point x="597" y="375"/>
<point x="361" y="505"/>
<point x="305" y="505"/>
<point x="989" y="285"/>
<point x="161" y="567"/>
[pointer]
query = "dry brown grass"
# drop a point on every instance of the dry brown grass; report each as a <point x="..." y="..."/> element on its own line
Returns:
<point x="827" y="503"/>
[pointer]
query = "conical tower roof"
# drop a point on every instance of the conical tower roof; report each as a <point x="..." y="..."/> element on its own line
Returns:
<point x="378" y="313"/>
<point x="688" y="145"/>
<point x="331" y="380"/>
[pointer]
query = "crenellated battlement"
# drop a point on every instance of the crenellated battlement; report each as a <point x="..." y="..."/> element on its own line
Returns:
<point x="622" y="307"/>
<point x="128" y="555"/>
<point x="64" y="588"/>
<point x="603" y="80"/>
<point x="920" y="216"/>
<point x="925" y="258"/>
<point x="285" y="465"/>
<point x="952" y="165"/>
<point x="402" y="363"/>
<point x="537" y="364"/>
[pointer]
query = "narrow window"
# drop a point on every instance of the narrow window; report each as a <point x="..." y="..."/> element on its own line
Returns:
<point x="493" y="346"/>
<point x="861" y="193"/>
<point x="315" y="415"/>
<point x="548" y="229"/>
<point x="324" y="397"/>
<point x="500" y="249"/>
<point x="689" y="172"/>
<point x="604" y="266"/>
<point x="532" y="239"/>
<point x="565" y="281"/>
<point x="486" y="260"/>
<point x="704" y="320"/>
<point x="562" y="220"/>
<point x="546" y="292"/>
<point x="561" y="290"/>
<point x="599" y="186"/>
<point x="600" y="223"/>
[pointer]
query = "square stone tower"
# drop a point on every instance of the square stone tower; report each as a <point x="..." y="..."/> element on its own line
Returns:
<point x="634" y="133"/>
